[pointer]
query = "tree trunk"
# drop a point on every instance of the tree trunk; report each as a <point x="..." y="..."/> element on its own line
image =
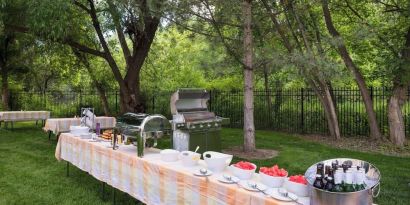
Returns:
<point x="5" y="93"/>
<point x="249" y="126"/>
<point x="395" y="115"/>
<point x="401" y="82"/>
<point x="368" y="103"/>
<point x="325" y="97"/>
<point x="104" y="101"/>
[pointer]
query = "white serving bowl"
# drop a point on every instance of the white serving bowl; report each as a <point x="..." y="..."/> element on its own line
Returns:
<point x="189" y="158"/>
<point x="297" y="188"/>
<point x="242" y="173"/>
<point x="217" y="162"/>
<point x="169" y="155"/>
<point x="272" y="181"/>
<point x="79" y="130"/>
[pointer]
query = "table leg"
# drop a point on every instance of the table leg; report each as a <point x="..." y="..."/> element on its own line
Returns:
<point x="49" y="135"/>
<point x="103" y="191"/>
<point x="68" y="167"/>
<point x="36" y="122"/>
<point x="113" y="196"/>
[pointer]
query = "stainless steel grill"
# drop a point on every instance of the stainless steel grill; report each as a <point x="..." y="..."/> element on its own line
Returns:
<point x="192" y="123"/>
<point x="142" y="129"/>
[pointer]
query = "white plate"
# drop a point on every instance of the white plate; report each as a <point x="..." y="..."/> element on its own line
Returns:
<point x="198" y="173"/>
<point x="276" y="195"/>
<point x="233" y="180"/>
<point x="246" y="185"/>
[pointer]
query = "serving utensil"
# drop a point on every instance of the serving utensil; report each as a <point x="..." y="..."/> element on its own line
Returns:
<point x="285" y="193"/>
<point x="255" y="186"/>
<point x="197" y="148"/>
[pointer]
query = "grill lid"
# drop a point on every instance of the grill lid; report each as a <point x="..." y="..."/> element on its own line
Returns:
<point x="189" y="100"/>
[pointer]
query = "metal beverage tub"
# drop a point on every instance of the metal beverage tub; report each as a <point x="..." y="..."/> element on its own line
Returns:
<point x="363" y="197"/>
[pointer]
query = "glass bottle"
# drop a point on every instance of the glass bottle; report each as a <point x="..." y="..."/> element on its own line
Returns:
<point x="338" y="182"/>
<point x="330" y="184"/>
<point x="348" y="184"/>
<point x="319" y="170"/>
<point x="318" y="183"/>
<point x="360" y="180"/>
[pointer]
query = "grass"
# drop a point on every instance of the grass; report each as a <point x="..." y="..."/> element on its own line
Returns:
<point x="30" y="174"/>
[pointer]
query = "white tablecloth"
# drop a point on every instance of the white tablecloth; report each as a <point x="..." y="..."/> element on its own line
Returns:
<point x="59" y="125"/>
<point x="151" y="180"/>
<point x="24" y="115"/>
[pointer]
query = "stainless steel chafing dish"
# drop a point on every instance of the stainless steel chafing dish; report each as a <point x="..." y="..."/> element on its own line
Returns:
<point x="142" y="129"/>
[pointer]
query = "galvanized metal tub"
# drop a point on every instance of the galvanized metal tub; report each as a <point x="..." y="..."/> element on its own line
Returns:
<point x="363" y="197"/>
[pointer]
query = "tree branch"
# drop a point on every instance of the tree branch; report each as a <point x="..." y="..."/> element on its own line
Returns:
<point x="82" y="6"/>
<point x="383" y="40"/>
<point x="84" y="48"/>
<point x="108" y="55"/>
<point x="219" y="32"/>
<point x="120" y="31"/>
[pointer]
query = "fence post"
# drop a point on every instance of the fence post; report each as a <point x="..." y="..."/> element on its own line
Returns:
<point x="10" y="100"/>
<point x="371" y="94"/>
<point x="153" y="103"/>
<point x="210" y="100"/>
<point x="302" y="111"/>
<point x="116" y="101"/>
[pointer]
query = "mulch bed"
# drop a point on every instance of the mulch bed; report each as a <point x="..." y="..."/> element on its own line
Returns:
<point x="362" y="144"/>
<point x="257" y="154"/>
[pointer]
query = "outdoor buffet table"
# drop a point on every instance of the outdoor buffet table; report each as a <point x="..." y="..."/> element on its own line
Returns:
<point x="13" y="116"/>
<point x="59" y="125"/>
<point x="150" y="179"/>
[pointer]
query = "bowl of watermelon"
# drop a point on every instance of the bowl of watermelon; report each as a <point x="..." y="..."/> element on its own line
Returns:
<point x="243" y="170"/>
<point x="297" y="184"/>
<point x="273" y="176"/>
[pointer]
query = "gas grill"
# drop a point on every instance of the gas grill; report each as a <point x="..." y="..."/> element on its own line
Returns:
<point x="192" y="123"/>
<point x="142" y="129"/>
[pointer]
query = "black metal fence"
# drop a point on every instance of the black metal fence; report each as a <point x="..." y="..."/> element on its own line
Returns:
<point x="290" y="110"/>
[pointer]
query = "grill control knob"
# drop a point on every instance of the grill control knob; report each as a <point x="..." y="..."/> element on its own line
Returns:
<point x="209" y="125"/>
<point x="201" y="126"/>
<point x="193" y="127"/>
<point x="216" y="124"/>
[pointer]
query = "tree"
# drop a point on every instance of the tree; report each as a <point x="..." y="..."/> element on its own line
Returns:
<point x="134" y="22"/>
<point x="249" y="126"/>
<point x="12" y="59"/>
<point x="343" y="52"/>
<point x="310" y="63"/>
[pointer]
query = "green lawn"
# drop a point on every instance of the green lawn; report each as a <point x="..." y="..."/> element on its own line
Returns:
<point x="30" y="174"/>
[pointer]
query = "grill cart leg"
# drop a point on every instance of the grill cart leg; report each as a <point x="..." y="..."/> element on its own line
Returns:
<point x="68" y="167"/>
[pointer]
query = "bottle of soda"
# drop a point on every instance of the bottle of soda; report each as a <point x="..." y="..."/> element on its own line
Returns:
<point x="330" y="184"/>
<point x="318" y="183"/>
<point x="348" y="185"/>
<point x="338" y="182"/>
<point x="360" y="180"/>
